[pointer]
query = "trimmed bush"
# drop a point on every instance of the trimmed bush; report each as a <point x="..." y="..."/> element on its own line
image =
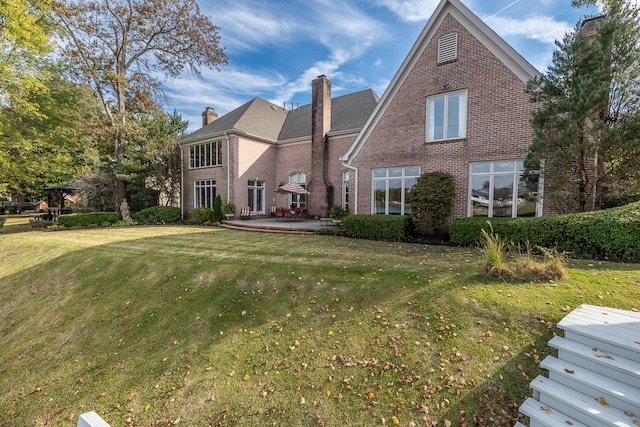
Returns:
<point x="382" y="227"/>
<point x="88" y="219"/>
<point x="12" y="209"/>
<point x="217" y="209"/>
<point x="2" y="221"/>
<point x="606" y="234"/>
<point x="203" y="214"/>
<point x="158" y="215"/>
<point x="432" y="202"/>
<point x="2" y="209"/>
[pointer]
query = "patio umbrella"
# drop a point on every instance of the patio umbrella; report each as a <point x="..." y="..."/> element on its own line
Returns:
<point x="292" y="188"/>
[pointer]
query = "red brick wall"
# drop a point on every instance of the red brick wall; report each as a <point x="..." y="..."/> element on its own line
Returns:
<point x="498" y="115"/>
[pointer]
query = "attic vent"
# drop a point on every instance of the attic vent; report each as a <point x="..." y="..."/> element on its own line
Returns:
<point x="448" y="48"/>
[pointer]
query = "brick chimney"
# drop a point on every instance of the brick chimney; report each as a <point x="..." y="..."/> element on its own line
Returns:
<point x="209" y="115"/>
<point x="588" y="27"/>
<point x="319" y="187"/>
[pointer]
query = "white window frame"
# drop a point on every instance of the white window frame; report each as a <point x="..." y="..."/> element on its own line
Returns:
<point x="205" y="155"/>
<point x="299" y="199"/>
<point x="404" y="176"/>
<point x="346" y="190"/>
<point x="259" y="197"/>
<point x="462" y="116"/>
<point x="516" y="173"/>
<point x="209" y="188"/>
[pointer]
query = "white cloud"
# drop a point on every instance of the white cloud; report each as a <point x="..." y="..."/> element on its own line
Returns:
<point x="541" y="28"/>
<point x="411" y="10"/>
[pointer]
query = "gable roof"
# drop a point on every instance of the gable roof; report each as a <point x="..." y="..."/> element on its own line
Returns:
<point x="256" y="117"/>
<point x="348" y="112"/>
<point x="265" y="120"/>
<point x="481" y="31"/>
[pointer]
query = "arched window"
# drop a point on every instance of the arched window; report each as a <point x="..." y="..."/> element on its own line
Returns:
<point x="299" y="199"/>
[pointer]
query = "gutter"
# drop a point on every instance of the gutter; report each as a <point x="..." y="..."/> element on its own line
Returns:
<point x="355" y="179"/>
<point x="228" y="167"/>
<point x="181" y="182"/>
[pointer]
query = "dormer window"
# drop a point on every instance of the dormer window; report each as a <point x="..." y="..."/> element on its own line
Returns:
<point x="448" y="48"/>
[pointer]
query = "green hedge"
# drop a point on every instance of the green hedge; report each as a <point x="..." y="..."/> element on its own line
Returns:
<point x="606" y="234"/>
<point x="384" y="227"/>
<point x="158" y="214"/>
<point x="2" y="220"/>
<point x="87" y="219"/>
<point x="202" y="215"/>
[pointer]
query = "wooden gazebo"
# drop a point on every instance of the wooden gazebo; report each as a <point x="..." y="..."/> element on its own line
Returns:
<point x="57" y="195"/>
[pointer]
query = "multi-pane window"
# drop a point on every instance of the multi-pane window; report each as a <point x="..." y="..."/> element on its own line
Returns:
<point x="256" y="196"/>
<point x="501" y="189"/>
<point x="204" y="193"/>
<point x="345" y="190"/>
<point x="447" y="116"/>
<point x="392" y="190"/>
<point x="205" y="155"/>
<point x="299" y="199"/>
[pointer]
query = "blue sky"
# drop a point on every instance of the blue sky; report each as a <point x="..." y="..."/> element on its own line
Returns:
<point x="276" y="47"/>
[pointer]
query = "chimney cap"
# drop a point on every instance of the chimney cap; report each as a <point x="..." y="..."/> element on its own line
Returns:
<point x="322" y="76"/>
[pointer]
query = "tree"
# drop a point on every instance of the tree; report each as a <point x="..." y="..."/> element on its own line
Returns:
<point x="46" y="144"/>
<point x="586" y="129"/>
<point x="24" y="45"/>
<point x="123" y="47"/>
<point x="432" y="202"/>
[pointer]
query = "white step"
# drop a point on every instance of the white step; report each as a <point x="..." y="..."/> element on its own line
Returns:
<point x="547" y="416"/>
<point x="597" y="360"/>
<point x="609" y="329"/>
<point x="615" y="393"/>
<point x="579" y="406"/>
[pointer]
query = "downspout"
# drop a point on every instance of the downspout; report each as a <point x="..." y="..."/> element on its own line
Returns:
<point x="355" y="183"/>
<point x="181" y="182"/>
<point x="228" y="168"/>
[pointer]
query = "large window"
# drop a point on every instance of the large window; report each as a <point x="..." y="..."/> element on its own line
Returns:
<point x="299" y="199"/>
<point x="345" y="190"/>
<point x="205" y="155"/>
<point x="392" y="190"/>
<point x="447" y="116"/>
<point x="500" y="189"/>
<point x="255" y="197"/>
<point x="204" y="193"/>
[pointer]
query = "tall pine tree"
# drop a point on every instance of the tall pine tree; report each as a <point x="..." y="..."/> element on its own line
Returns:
<point x="586" y="129"/>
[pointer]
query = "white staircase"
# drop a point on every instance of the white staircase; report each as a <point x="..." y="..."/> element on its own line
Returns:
<point x="595" y="380"/>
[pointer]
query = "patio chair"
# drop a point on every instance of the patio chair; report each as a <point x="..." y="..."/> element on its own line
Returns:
<point x="245" y="212"/>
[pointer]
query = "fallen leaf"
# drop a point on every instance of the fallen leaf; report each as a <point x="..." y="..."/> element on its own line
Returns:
<point x="603" y="402"/>
<point x="546" y="409"/>
<point x="628" y="413"/>
<point x="569" y="371"/>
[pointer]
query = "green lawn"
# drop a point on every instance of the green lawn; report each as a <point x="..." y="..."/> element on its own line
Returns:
<point x="200" y="326"/>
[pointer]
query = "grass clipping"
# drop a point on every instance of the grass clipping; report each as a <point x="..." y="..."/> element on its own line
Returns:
<point x="523" y="265"/>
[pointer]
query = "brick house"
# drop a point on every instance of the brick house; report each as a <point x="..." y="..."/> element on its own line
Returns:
<point x="245" y="155"/>
<point x="457" y="104"/>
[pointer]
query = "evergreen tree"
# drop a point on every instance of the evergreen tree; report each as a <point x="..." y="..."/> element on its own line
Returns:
<point x="217" y="209"/>
<point x="586" y="129"/>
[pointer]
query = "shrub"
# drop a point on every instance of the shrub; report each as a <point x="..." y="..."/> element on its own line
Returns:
<point x="493" y="248"/>
<point x="338" y="213"/>
<point x="12" y="209"/>
<point x="202" y="215"/>
<point x="228" y="209"/>
<point x="217" y="209"/>
<point x="2" y="221"/>
<point x="384" y="227"/>
<point x="611" y="233"/>
<point x="158" y="215"/>
<point x="2" y="210"/>
<point x="88" y="219"/>
<point x="432" y="202"/>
